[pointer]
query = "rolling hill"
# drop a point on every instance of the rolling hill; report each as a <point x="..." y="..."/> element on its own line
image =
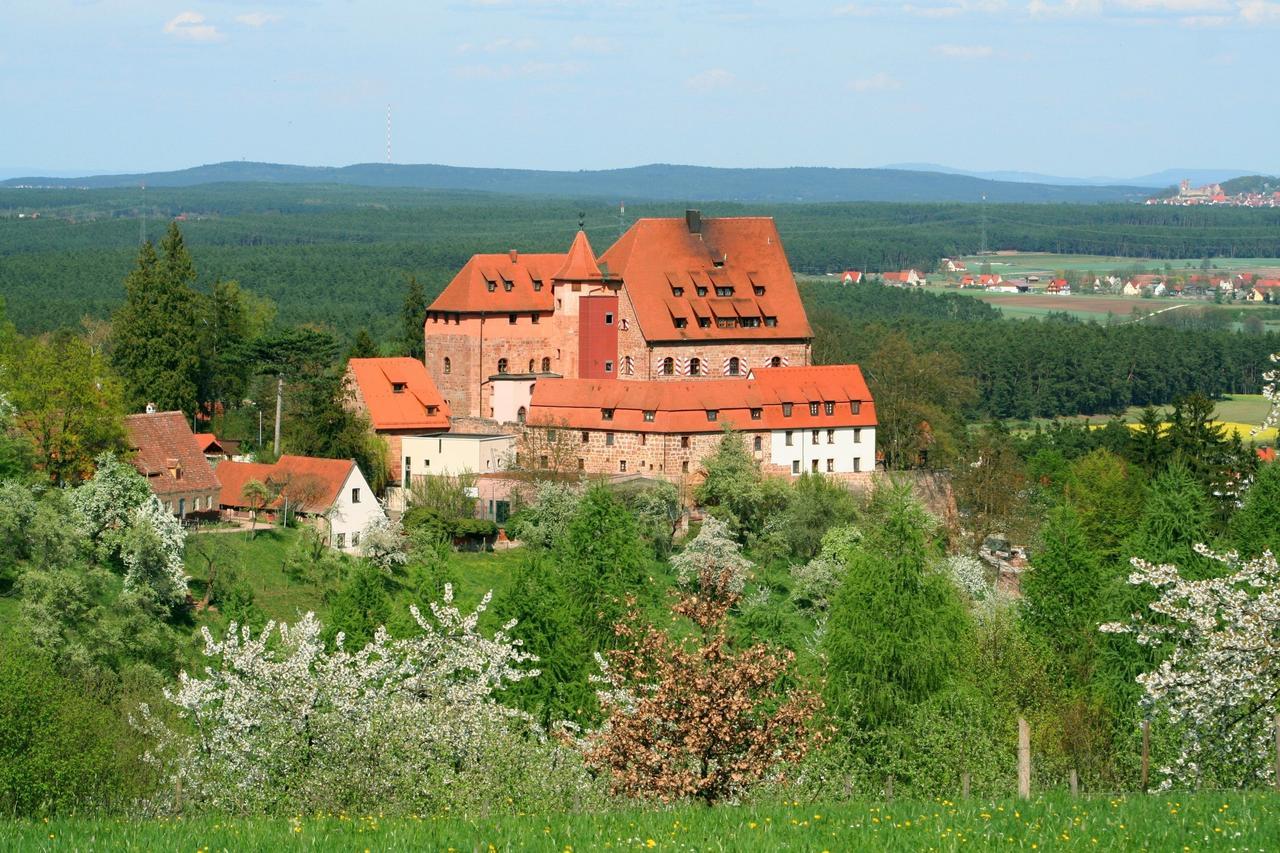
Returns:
<point x="653" y="182"/>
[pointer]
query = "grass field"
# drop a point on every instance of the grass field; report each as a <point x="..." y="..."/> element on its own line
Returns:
<point x="1240" y="413"/>
<point x="1040" y="263"/>
<point x="1206" y="821"/>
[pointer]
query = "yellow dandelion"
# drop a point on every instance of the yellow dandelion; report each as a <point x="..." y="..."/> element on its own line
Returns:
<point x="649" y="842"/>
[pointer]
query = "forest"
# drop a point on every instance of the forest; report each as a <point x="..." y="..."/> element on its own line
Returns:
<point x="340" y="256"/>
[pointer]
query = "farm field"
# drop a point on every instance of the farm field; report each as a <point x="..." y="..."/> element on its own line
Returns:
<point x="1024" y="263"/>
<point x="1240" y="414"/>
<point x="1202" y="821"/>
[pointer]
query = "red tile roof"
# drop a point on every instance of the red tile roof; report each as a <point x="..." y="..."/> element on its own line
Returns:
<point x="162" y="443"/>
<point x="682" y="406"/>
<point x="580" y="263"/>
<point x="417" y="405"/>
<point x="314" y="481"/>
<point x="500" y="284"/>
<point x="208" y="442"/>
<point x="656" y="256"/>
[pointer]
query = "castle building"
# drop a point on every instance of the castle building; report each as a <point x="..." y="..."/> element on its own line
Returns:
<point x="673" y="300"/>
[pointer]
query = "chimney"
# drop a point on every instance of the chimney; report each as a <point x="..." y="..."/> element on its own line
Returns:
<point x="513" y="254"/>
<point x="151" y="408"/>
<point x="693" y="218"/>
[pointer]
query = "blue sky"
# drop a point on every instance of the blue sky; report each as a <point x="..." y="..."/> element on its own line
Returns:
<point x="1067" y="87"/>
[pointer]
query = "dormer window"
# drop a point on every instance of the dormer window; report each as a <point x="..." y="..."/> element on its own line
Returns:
<point x="491" y="285"/>
<point x="757" y="414"/>
<point x="398" y="387"/>
<point x="726" y="322"/>
<point x="829" y="408"/>
<point x="680" y="322"/>
<point x="771" y="321"/>
<point x="677" y="291"/>
<point x="855" y="406"/>
<point x="813" y="408"/>
<point x="606" y="414"/>
<point x="750" y="322"/>
<point x="704" y="322"/>
<point x="507" y="285"/>
<point x="713" y="414"/>
<point x="431" y="410"/>
<point x="786" y="410"/>
<point x="759" y="290"/>
<point x="724" y="291"/>
<point x="649" y="415"/>
<point x="702" y="291"/>
<point x="537" y="285"/>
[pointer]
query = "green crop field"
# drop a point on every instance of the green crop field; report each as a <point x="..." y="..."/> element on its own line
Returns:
<point x="1033" y="263"/>
<point x="1174" y="822"/>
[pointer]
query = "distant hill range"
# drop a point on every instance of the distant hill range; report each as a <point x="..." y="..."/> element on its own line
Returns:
<point x="1158" y="180"/>
<point x="654" y="182"/>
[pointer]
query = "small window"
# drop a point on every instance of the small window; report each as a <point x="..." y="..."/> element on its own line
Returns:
<point x="546" y="365"/>
<point x="702" y="291"/>
<point x="813" y="408"/>
<point x="542" y="461"/>
<point x="355" y="496"/>
<point x="533" y="318"/>
<point x="759" y="291"/>
<point x="531" y="365"/>
<point x="608" y="439"/>
<point x="537" y="287"/>
<point x="855" y="406"/>
<point x="622" y="466"/>
<point x="829" y="408"/>
<point x="786" y="410"/>
<point x="831" y="466"/>
<point x="704" y="322"/>
<point x="813" y="466"/>
<point x="757" y="443"/>
<point x="649" y="415"/>
<point x="448" y="365"/>
<point x="551" y="435"/>
<point x="677" y="291"/>
<point x="668" y="366"/>
<point x="511" y="318"/>
<point x="684" y="467"/>
<point x="857" y="464"/>
<point x="644" y="442"/>
<point x="507" y="285"/>
<point x="757" y="414"/>
<point x="831" y="436"/>
<point x="857" y="435"/>
<point x="608" y="367"/>
<point x="776" y="361"/>
<point x="606" y="414"/>
<point x="750" y="322"/>
<point x="790" y="438"/>
<point x="724" y="291"/>
<point x="521" y="414"/>
<point x="398" y="387"/>
<point x="582" y="464"/>
<point x="680" y="322"/>
<point x="491" y="285"/>
<point x="795" y="466"/>
<point x="735" y="366"/>
<point x="608" y="319"/>
<point x="713" y="414"/>
<point x="684" y="442"/>
<point x="586" y="437"/>
<point x="695" y="367"/>
<point x="815" y="437"/>
<point x="771" y="321"/>
<point x="340" y="540"/>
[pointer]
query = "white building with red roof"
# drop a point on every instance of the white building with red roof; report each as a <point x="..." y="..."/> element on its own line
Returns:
<point x="399" y="398"/>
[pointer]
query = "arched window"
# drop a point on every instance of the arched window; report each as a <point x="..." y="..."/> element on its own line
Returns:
<point x="520" y="414"/>
<point x="531" y="365"/>
<point x="502" y="365"/>
<point x="448" y="365"/>
<point x="546" y="364"/>
<point x="695" y="367"/>
<point x="734" y="365"/>
<point x="776" y="361"/>
<point x="668" y="366"/>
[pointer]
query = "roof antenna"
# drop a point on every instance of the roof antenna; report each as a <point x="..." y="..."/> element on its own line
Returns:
<point x="582" y="218"/>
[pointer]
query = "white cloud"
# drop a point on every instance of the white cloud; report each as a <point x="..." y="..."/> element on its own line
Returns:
<point x="1260" y="12"/>
<point x="881" y="81"/>
<point x="710" y="80"/>
<point x="192" y="27"/>
<point x="964" y="51"/>
<point x="257" y="19"/>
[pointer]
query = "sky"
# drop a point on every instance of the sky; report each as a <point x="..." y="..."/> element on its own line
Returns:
<point x="1064" y="87"/>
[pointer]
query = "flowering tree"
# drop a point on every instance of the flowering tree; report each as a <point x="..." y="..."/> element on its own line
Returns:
<point x="383" y="544"/>
<point x="280" y="722"/>
<point x="107" y="500"/>
<point x="692" y="717"/>
<point x="713" y="561"/>
<point x="152" y="554"/>
<point x="1219" y="681"/>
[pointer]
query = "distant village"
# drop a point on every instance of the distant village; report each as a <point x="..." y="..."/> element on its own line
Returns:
<point x="952" y="272"/>
<point x="1213" y="194"/>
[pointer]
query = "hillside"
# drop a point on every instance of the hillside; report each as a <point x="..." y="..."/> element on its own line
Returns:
<point x="654" y="182"/>
<point x="1251" y="184"/>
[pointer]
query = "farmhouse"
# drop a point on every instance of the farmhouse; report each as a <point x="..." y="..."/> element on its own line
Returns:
<point x="166" y="453"/>
<point x="671" y="300"/>
<point x="331" y="494"/>
<point x="906" y="278"/>
<point x="795" y="420"/>
<point x="850" y="277"/>
<point x="399" y="398"/>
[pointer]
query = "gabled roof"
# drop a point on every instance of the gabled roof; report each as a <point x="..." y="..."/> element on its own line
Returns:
<point x="682" y="406"/>
<point x="416" y="404"/>
<point x="163" y="443"/>
<point x="209" y="443"/>
<point x="501" y="284"/>
<point x="580" y="263"/>
<point x="657" y="256"/>
<point x="314" y="481"/>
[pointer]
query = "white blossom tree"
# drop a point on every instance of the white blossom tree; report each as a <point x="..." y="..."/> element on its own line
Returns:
<point x="152" y="552"/>
<point x="383" y="543"/>
<point x="280" y="723"/>
<point x="712" y="562"/>
<point x="1219" y="683"/>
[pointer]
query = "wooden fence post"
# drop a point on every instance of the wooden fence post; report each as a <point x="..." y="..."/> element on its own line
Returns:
<point x="1146" y="753"/>
<point x="964" y="785"/>
<point x="1074" y="780"/>
<point x="888" y="789"/>
<point x="1276" y="724"/>
<point x="1024" y="759"/>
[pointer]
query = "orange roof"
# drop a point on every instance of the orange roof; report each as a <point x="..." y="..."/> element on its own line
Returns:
<point x="162" y="442"/>
<point x="656" y="256"/>
<point x="501" y="284"/>
<point x="313" y="481"/>
<point x="682" y="406"/>
<point x="399" y="394"/>
<point x="580" y="263"/>
<point x="208" y="441"/>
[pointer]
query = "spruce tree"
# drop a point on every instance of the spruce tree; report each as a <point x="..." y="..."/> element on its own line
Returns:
<point x="363" y="346"/>
<point x="1256" y="526"/>
<point x="413" y="315"/>
<point x="155" y="339"/>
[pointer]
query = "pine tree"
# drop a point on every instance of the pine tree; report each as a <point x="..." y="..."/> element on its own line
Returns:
<point x="413" y="315"/>
<point x="1256" y="526"/>
<point x="363" y="346"/>
<point x="156" y="343"/>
